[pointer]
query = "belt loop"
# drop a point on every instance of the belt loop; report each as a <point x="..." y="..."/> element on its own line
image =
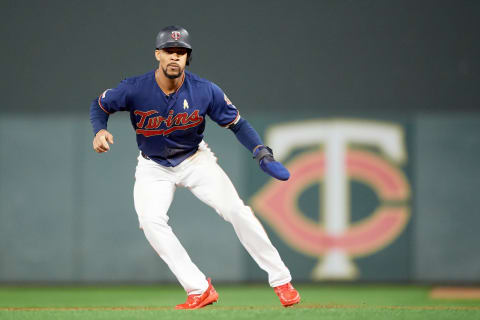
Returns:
<point x="145" y="156"/>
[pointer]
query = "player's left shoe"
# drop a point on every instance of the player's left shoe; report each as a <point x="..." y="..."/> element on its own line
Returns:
<point x="197" y="301"/>
<point x="287" y="294"/>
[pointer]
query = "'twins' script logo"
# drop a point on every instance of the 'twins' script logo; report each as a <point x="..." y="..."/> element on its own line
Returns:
<point x="180" y="121"/>
<point x="335" y="240"/>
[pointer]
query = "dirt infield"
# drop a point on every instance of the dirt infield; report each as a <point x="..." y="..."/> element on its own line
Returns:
<point x="242" y="308"/>
<point x="455" y="293"/>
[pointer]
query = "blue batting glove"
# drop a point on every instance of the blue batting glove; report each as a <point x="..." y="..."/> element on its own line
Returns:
<point x="268" y="164"/>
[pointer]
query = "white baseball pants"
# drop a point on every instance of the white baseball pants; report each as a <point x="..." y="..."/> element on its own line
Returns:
<point x="153" y="194"/>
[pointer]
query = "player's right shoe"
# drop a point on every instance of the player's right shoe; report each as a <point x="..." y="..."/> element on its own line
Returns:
<point x="197" y="301"/>
<point x="287" y="294"/>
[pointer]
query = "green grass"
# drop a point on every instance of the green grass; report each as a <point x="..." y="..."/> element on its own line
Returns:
<point x="236" y="302"/>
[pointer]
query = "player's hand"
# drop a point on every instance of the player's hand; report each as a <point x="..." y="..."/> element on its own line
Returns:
<point x="268" y="164"/>
<point x="102" y="140"/>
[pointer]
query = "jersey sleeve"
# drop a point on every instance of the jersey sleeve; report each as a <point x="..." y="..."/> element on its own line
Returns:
<point x="108" y="102"/>
<point x="221" y="109"/>
<point x="115" y="99"/>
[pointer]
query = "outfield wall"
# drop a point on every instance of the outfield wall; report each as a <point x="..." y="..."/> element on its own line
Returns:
<point x="66" y="213"/>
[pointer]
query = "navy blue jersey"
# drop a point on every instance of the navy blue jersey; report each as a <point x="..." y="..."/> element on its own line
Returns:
<point x="169" y="128"/>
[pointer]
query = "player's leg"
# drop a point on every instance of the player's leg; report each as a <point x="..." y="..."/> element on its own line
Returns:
<point x="210" y="184"/>
<point x="153" y="194"/>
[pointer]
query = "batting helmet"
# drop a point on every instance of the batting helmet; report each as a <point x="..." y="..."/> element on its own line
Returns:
<point x="174" y="36"/>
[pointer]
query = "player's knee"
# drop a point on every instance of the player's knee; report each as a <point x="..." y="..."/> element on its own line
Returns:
<point x="147" y="221"/>
<point x="237" y="212"/>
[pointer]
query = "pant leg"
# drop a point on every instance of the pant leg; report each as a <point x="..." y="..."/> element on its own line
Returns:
<point x="153" y="194"/>
<point x="210" y="184"/>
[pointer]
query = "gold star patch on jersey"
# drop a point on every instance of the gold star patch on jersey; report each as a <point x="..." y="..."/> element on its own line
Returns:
<point x="185" y="104"/>
<point x="226" y="99"/>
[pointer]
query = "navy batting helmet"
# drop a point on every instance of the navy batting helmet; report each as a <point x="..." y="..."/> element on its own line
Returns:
<point x="174" y="36"/>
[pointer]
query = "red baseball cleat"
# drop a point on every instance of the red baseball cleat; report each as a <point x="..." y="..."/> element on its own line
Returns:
<point x="197" y="301"/>
<point x="287" y="294"/>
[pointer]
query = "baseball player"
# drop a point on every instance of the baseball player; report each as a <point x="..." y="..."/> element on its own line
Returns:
<point x="168" y="108"/>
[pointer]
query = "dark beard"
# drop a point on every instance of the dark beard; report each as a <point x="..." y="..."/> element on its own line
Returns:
<point x="172" y="76"/>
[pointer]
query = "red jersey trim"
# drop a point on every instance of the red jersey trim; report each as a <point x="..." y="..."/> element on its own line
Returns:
<point x="234" y="120"/>
<point x="100" y="103"/>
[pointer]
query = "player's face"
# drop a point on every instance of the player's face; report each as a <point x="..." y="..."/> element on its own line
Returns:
<point x="172" y="61"/>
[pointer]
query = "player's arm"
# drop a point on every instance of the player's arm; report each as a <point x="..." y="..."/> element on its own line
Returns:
<point x="226" y="114"/>
<point x="249" y="137"/>
<point x="108" y="102"/>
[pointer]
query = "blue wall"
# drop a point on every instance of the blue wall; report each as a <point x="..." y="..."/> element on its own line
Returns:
<point x="66" y="213"/>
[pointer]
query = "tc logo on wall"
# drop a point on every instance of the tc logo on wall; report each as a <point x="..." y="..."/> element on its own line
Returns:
<point x="339" y="151"/>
